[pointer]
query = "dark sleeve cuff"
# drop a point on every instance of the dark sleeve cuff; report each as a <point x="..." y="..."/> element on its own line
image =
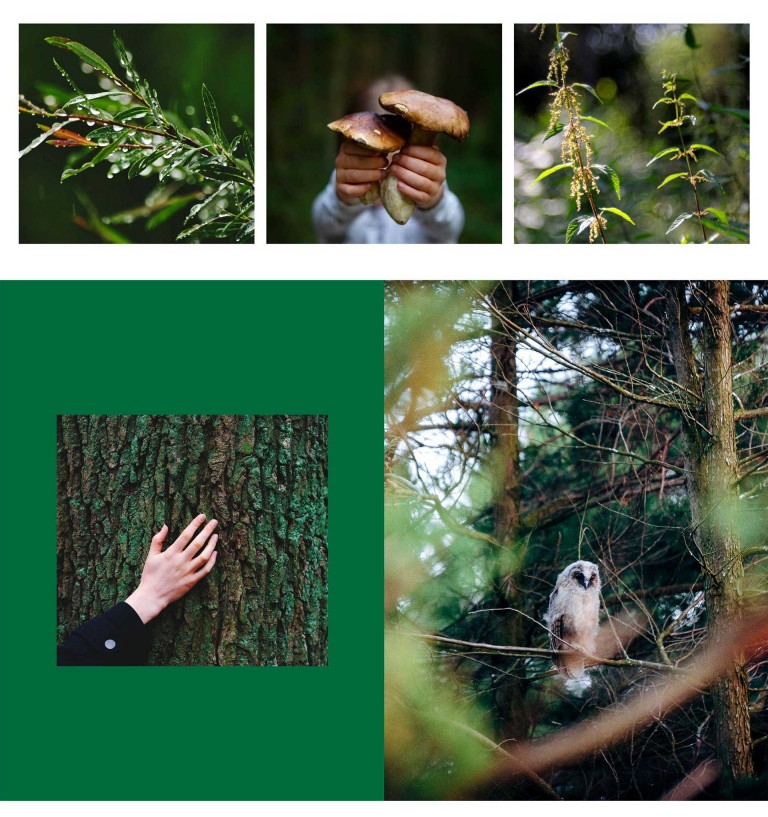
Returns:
<point x="115" y="638"/>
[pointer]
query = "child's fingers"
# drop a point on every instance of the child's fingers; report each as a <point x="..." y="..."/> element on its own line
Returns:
<point x="352" y="191"/>
<point x="432" y="155"/>
<point x="435" y="172"/>
<point x="353" y="149"/>
<point x="354" y="176"/>
<point x="417" y="181"/>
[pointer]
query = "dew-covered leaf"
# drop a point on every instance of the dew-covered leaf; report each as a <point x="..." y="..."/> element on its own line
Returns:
<point x="108" y="150"/>
<point x="212" y="118"/>
<point x="47" y="135"/>
<point x="202" y="136"/>
<point x="84" y="53"/>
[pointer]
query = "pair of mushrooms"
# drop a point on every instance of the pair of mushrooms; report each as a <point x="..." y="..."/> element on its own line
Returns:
<point x="415" y="119"/>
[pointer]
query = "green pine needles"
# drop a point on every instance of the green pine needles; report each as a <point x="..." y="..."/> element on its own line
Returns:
<point x="576" y="148"/>
<point x="125" y="128"/>
<point x="687" y="152"/>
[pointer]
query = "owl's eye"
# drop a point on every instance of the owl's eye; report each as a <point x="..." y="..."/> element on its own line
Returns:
<point x="578" y="576"/>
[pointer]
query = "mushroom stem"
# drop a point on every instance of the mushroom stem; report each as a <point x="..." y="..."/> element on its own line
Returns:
<point x="397" y="204"/>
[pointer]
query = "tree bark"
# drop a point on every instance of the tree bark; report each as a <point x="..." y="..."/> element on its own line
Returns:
<point x="504" y="426"/>
<point x="263" y="478"/>
<point x="712" y="471"/>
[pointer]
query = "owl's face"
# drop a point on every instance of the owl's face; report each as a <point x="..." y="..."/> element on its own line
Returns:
<point x="582" y="574"/>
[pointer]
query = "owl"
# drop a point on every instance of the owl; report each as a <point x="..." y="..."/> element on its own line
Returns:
<point x="573" y="611"/>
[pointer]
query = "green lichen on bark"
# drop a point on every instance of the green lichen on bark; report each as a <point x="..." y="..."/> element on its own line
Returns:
<point x="263" y="477"/>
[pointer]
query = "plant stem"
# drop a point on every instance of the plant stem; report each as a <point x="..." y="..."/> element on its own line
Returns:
<point x="678" y="114"/>
<point x="592" y="203"/>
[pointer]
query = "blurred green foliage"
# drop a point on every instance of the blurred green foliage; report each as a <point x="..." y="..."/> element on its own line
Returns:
<point x="313" y="70"/>
<point x="624" y="64"/>
<point x="176" y="60"/>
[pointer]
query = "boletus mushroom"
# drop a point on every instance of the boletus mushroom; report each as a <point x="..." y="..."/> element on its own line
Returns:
<point x="380" y="133"/>
<point x="429" y="116"/>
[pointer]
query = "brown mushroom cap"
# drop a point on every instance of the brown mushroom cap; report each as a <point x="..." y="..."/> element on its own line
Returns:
<point x="372" y="130"/>
<point x="430" y="113"/>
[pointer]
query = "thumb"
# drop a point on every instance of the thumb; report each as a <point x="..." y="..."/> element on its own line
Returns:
<point x="157" y="540"/>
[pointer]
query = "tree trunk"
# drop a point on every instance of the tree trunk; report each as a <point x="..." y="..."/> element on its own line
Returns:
<point x="711" y="468"/>
<point x="504" y="424"/>
<point x="263" y="478"/>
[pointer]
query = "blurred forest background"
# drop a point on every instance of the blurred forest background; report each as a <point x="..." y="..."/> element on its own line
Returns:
<point x="624" y="64"/>
<point x="529" y="424"/>
<point x="314" y="70"/>
<point x="176" y="60"/>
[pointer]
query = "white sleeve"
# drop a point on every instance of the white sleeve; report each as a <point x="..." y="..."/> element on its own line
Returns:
<point x="443" y="223"/>
<point x="331" y="216"/>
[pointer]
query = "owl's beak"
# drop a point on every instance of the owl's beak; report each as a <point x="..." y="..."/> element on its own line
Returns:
<point x="584" y="582"/>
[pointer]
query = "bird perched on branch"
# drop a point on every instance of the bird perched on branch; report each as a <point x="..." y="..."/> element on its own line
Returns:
<point x="573" y="616"/>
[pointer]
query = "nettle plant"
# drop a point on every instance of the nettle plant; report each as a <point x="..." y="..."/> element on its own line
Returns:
<point x="125" y="127"/>
<point x="576" y="151"/>
<point x="687" y="152"/>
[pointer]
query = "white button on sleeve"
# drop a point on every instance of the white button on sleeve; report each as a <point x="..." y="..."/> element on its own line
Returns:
<point x="110" y="644"/>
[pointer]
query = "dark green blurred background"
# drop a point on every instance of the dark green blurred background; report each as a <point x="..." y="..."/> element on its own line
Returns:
<point x="624" y="63"/>
<point x="176" y="60"/>
<point x="313" y="69"/>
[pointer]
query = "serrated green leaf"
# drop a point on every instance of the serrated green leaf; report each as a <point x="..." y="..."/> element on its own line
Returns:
<point x="690" y="39"/>
<point x="553" y="131"/>
<point x="596" y="121"/>
<point x="671" y="178"/>
<point x="108" y="150"/>
<point x="570" y="230"/>
<point x="613" y="176"/>
<point x="577" y="226"/>
<point x="678" y="221"/>
<point x="212" y="118"/>
<point x="719" y="215"/>
<point x="704" y="147"/>
<point x="710" y="177"/>
<point x="549" y="172"/>
<point x="667" y="100"/>
<point x="538" y="84"/>
<point x="588" y="88"/>
<point x="85" y="54"/>
<point x="690" y="96"/>
<point x="617" y="212"/>
<point x="661" y="153"/>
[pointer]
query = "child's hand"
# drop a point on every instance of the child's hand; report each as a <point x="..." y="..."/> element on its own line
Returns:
<point x="168" y="575"/>
<point x="357" y="168"/>
<point x="421" y="174"/>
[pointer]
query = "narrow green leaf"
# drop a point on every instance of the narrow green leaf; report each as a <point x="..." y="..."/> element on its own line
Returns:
<point x="678" y="221"/>
<point x="671" y="178"/>
<point x="249" y="150"/>
<point x="124" y="59"/>
<point x="539" y="84"/>
<point x="690" y="39"/>
<point x="704" y="147"/>
<point x="596" y="121"/>
<point x="85" y="54"/>
<point x="617" y="212"/>
<point x="741" y="113"/>
<point x="202" y="137"/>
<point x="173" y="206"/>
<point x="75" y="87"/>
<point x="212" y="118"/>
<point x="690" y="96"/>
<point x="719" y="215"/>
<point x="549" y="172"/>
<point x="553" y="131"/>
<point x="47" y="135"/>
<point x="186" y="233"/>
<point x="99" y="157"/>
<point x="667" y="100"/>
<point x="661" y="153"/>
<point x="726" y="229"/>
<point x="588" y="88"/>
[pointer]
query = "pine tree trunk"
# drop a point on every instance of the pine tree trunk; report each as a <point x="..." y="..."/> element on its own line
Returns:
<point x="263" y="478"/>
<point x="504" y="424"/>
<point x="711" y="468"/>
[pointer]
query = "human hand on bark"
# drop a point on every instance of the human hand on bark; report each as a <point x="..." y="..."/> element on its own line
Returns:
<point x="169" y="574"/>
<point x="420" y="172"/>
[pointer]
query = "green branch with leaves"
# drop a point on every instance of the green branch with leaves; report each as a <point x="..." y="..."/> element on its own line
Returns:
<point x="576" y="147"/>
<point x="126" y="127"/>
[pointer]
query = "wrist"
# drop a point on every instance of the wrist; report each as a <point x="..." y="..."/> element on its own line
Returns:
<point x="146" y="605"/>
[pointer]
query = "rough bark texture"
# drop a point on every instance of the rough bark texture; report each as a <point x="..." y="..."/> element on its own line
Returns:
<point x="711" y="468"/>
<point x="263" y="478"/>
<point x="504" y="423"/>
